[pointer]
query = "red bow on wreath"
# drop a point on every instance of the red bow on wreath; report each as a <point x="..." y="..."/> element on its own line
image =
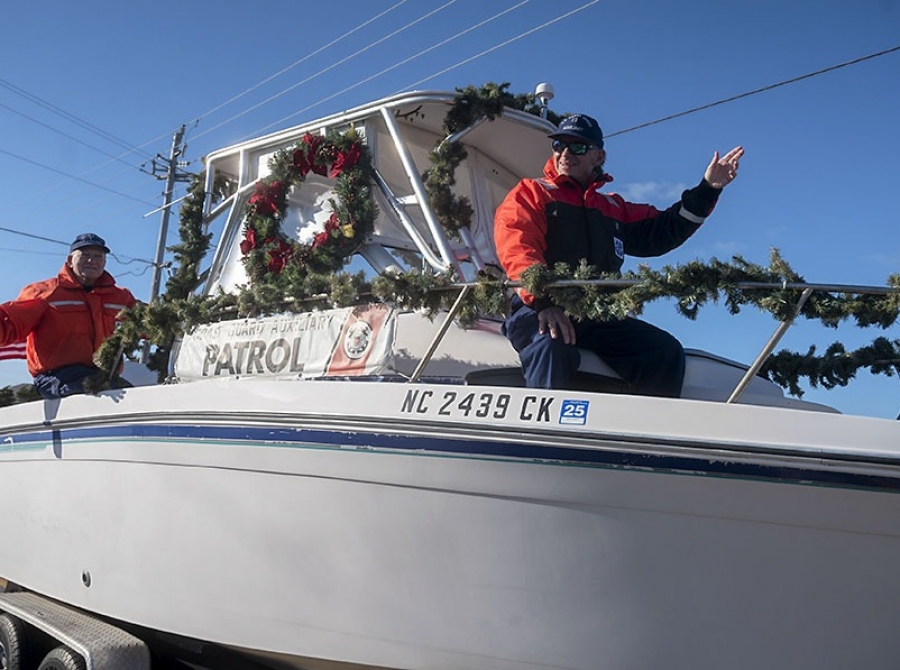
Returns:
<point x="305" y="161"/>
<point x="330" y="225"/>
<point x="279" y="256"/>
<point x="266" y="198"/>
<point x="249" y="241"/>
<point x="344" y="160"/>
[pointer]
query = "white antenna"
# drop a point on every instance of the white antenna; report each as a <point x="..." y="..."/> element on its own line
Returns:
<point x="544" y="93"/>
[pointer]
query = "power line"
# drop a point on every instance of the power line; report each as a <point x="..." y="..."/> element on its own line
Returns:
<point x="754" y="92"/>
<point x="90" y="205"/>
<point x="330" y="67"/>
<point x="421" y="81"/>
<point x="298" y="62"/>
<point x="129" y="148"/>
<point x="67" y="115"/>
<point x="66" y="244"/>
<point x="30" y="252"/>
<point x="60" y="132"/>
<point x="501" y="45"/>
<point x="612" y="134"/>
<point x="112" y="158"/>
<point x="32" y="236"/>
<point x="365" y="23"/>
<point x="101" y="213"/>
<point x="71" y="176"/>
<point x="264" y="81"/>
<point x="79" y="177"/>
<point x="392" y="67"/>
<point x="50" y="203"/>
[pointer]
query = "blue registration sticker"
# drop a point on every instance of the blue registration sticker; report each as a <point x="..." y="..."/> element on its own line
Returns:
<point x="574" y="412"/>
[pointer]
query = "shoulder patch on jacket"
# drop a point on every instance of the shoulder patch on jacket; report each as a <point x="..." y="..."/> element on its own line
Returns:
<point x="549" y="185"/>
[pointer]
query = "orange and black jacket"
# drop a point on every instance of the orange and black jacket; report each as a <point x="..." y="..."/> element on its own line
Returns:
<point x="64" y="322"/>
<point x="555" y="219"/>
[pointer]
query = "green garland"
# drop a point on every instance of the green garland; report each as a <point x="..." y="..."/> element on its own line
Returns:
<point x="286" y="276"/>
<point x="163" y="320"/>
<point x="469" y="105"/>
<point x="696" y="284"/>
<point x="835" y="368"/>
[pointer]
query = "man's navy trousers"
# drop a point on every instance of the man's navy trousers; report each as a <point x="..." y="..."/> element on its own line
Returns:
<point x="648" y="358"/>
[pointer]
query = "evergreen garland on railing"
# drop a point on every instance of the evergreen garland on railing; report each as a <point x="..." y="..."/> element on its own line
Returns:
<point x="695" y="284"/>
<point x="835" y="368"/>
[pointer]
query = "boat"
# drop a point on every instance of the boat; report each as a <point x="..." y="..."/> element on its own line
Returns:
<point x="374" y="487"/>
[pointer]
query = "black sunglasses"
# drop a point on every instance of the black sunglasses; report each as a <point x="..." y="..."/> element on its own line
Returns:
<point x="577" y="148"/>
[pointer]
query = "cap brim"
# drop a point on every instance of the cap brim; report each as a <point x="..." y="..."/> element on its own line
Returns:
<point x="557" y="136"/>
<point x="85" y="246"/>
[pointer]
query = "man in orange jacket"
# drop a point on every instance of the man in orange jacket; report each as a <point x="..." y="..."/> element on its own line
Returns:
<point x="566" y="218"/>
<point x="64" y="320"/>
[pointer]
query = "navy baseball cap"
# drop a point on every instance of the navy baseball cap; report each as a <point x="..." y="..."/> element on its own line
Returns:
<point x="581" y="126"/>
<point x="88" y="240"/>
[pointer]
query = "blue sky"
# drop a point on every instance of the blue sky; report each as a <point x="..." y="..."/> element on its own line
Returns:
<point x="90" y="91"/>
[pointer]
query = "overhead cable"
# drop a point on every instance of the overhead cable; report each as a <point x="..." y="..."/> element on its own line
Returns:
<point x="67" y="115"/>
<point x="501" y="45"/>
<point x="755" y="91"/>
<point x="66" y="244"/>
<point x="388" y="69"/>
<point x="71" y="176"/>
<point x="298" y="62"/>
<point x="64" y="134"/>
<point x="326" y="69"/>
<point x="33" y="236"/>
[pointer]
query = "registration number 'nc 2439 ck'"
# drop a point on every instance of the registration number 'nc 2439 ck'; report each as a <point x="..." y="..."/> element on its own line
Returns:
<point x="488" y="405"/>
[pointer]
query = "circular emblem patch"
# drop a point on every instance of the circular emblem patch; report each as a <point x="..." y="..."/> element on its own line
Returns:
<point x="357" y="339"/>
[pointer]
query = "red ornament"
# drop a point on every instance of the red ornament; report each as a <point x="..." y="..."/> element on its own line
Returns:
<point x="305" y="160"/>
<point x="345" y="159"/>
<point x="279" y="256"/>
<point x="249" y="241"/>
<point x="267" y="197"/>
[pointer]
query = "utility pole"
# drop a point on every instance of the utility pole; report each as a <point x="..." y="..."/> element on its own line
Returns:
<point x="167" y="168"/>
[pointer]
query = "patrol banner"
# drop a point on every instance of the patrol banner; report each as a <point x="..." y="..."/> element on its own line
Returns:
<point x="354" y="341"/>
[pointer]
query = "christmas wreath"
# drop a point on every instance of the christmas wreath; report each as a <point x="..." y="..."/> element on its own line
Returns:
<point x="322" y="246"/>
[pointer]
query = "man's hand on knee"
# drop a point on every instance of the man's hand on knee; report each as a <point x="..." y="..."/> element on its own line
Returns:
<point x="553" y="320"/>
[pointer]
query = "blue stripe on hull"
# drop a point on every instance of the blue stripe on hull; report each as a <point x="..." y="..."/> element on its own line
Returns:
<point x="437" y="446"/>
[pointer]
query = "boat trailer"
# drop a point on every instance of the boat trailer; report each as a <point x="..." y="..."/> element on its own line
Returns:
<point x="80" y="641"/>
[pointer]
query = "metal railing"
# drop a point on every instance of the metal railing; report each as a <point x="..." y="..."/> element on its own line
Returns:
<point x="806" y="291"/>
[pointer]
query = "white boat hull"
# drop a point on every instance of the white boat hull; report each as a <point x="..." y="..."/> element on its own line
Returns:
<point x="353" y="523"/>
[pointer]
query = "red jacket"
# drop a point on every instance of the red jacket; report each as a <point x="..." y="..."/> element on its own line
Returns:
<point x="555" y="219"/>
<point x="64" y="322"/>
